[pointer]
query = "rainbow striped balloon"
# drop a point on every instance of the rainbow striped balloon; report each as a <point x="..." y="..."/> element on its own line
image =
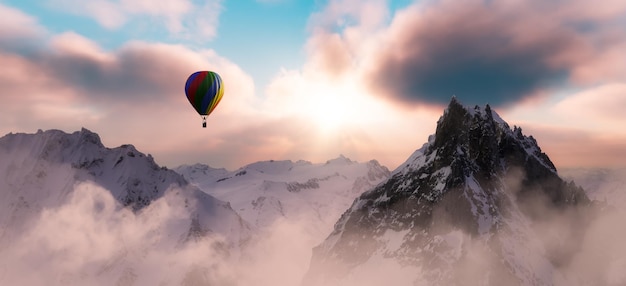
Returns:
<point x="204" y="90"/>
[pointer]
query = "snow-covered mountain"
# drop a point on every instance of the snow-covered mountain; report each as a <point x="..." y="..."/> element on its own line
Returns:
<point x="47" y="176"/>
<point x="91" y="215"/>
<point x="478" y="204"/>
<point x="267" y="192"/>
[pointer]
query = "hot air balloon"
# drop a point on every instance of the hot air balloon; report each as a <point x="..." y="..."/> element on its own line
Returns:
<point x="204" y="90"/>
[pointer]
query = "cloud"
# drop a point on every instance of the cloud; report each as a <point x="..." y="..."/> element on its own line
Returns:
<point x="482" y="52"/>
<point x="601" y="106"/>
<point x="337" y="115"/>
<point x="183" y="19"/>
<point x="574" y="147"/>
<point x="497" y="52"/>
<point x="335" y="58"/>
<point x="343" y="36"/>
<point x="134" y="92"/>
<point x="342" y="14"/>
<point x="91" y="240"/>
<point x="579" y="129"/>
<point x="578" y="245"/>
<point x="602" y="255"/>
<point x="18" y="31"/>
<point x="506" y="53"/>
<point x="139" y="71"/>
<point x="135" y="95"/>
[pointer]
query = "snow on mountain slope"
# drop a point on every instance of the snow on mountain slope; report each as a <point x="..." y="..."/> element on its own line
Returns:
<point x="293" y="206"/>
<point x="53" y="173"/>
<point x="478" y="204"/>
<point x="267" y="191"/>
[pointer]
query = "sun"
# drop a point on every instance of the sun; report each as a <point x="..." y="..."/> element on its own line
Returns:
<point x="335" y="114"/>
<point x="332" y="108"/>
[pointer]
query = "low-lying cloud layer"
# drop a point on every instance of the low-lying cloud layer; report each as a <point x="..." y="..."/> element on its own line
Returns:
<point x="578" y="245"/>
<point x="91" y="240"/>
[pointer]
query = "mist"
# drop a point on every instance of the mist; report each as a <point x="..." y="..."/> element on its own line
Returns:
<point x="92" y="240"/>
<point x="534" y="243"/>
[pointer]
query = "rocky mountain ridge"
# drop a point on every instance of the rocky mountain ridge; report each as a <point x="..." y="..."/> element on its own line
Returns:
<point x="477" y="188"/>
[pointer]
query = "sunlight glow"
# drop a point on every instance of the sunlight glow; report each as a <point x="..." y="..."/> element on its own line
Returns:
<point x="334" y="107"/>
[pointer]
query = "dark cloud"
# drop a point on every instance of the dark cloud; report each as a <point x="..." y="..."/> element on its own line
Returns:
<point x="19" y="32"/>
<point x="135" y="72"/>
<point x="480" y="52"/>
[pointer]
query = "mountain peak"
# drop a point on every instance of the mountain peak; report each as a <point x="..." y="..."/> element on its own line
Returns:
<point x="481" y="129"/>
<point x="136" y="178"/>
<point x="453" y="100"/>
<point x="341" y="160"/>
<point x="87" y="135"/>
<point x="468" y="179"/>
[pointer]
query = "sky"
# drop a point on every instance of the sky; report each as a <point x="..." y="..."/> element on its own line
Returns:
<point x="315" y="79"/>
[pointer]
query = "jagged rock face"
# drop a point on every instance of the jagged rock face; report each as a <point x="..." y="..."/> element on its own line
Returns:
<point x="476" y="179"/>
<point x="134" y="178"/>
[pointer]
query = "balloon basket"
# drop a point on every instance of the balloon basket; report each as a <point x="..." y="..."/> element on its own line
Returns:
<point x="203" y="121"/>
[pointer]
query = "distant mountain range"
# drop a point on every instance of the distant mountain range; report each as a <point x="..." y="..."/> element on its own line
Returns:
<point x="478" y="204"/>
<point x="52" y="171"/>
<point x="267" y="191"/>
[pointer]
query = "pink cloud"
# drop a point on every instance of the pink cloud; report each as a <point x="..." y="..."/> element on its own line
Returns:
<point x="75" y="45"/>
<point x="604" y="64"/>
<point x="579" y="129"/>
<point x="329" y="53"/>
<point x="603" y="106"/>
<point x="18" y="31"/>
<point x="499" y="52"/>
<point x="587" y="11"/>
<point x="131" y="95"/>
<point x="135" y="94"/>
<point x="15" y="24"/>
<point x="570" y="147"/>
<point x="542" y="52"/>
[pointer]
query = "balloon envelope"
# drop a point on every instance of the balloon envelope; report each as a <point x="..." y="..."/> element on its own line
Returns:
<point x="204" y="90"/>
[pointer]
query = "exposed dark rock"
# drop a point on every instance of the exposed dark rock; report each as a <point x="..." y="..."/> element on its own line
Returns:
<point x="472" y="176"/>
